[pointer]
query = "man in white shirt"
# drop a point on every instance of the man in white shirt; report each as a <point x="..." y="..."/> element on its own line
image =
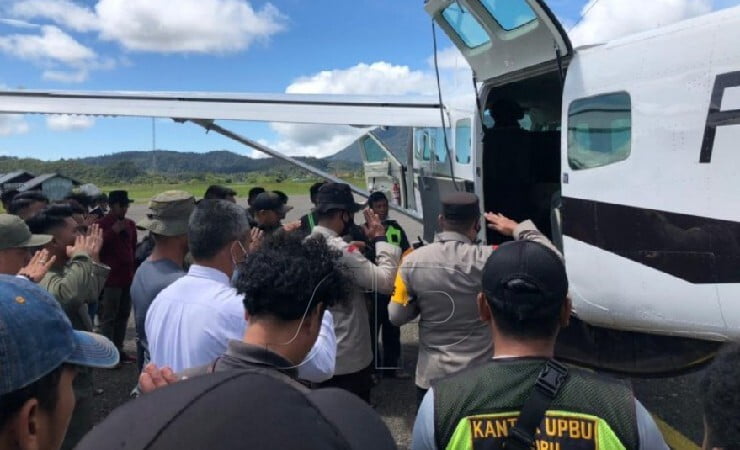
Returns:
<point x="191" y="321"/>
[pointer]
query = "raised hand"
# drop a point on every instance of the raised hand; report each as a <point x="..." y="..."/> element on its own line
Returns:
<point x="39" y="265"/>
<point x="77" y="247"/>
<point x="500" y="223"/>
<point x="152" y="378"/>
<point x="255" y="239"/>
<point x="292" y="226"/>
<point x="94" y="242"/>
<point x="373" y="227"/>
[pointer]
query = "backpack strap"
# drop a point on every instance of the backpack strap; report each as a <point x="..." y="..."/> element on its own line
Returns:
<point x="546" y="388"/>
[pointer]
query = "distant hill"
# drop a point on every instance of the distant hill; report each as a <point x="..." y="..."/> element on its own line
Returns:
<point x="168" y="165"/>
<point x="217" y="162"/>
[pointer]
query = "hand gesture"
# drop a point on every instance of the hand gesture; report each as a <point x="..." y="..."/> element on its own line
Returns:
<point x="77" y="247"/>
<point x="152" y="378"/>
<point x="373" y="228"/>
<point x="292" y="226"/>
<point x="360" y="245"/>
<point x="94" y="242"/>
<point x="38" y="266"/>
<point x="255" y="239"/>
<point x="500" y="223"/>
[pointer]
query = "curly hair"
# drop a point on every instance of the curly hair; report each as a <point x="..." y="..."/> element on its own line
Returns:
<point x="721" y="387"/>
<point x="289" y="275"/>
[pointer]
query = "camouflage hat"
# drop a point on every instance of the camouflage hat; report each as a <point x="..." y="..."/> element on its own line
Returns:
<point x="14" y="233"/>
<point x="169" y="213"/>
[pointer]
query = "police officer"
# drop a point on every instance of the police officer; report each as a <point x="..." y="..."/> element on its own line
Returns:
<point x="335" y="209"/>
<point x="523" y="398"/>
<point x="439" y="283"/>
<point x="388" y="361"/>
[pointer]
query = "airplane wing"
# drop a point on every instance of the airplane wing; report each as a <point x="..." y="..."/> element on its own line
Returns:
<point x="204" y="108"/>
<point x="288" y="108"/>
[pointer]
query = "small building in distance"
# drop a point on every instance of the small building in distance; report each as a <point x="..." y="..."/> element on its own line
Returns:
<point x="14" y="180"/>
<point x="53" y="185"/>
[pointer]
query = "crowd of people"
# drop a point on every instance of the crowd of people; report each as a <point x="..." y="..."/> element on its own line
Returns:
<point x="245" y="319"/>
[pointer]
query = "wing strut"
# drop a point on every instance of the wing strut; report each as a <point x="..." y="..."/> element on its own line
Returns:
<point x="210" y="125"/>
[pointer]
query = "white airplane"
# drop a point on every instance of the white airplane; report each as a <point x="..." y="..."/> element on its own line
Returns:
<point x="625" y="153"/>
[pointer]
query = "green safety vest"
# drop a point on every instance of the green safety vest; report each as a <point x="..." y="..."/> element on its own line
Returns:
<point x="393" y="235"/>
<point x="477" y="408"/>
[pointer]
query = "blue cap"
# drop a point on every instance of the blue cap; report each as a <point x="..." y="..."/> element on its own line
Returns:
<point x="36" y="337"/>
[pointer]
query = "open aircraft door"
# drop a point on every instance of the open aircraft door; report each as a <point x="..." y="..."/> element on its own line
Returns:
<point x="517" y="47"/>
<point x="384" y="172"/>
<point x="499" y="38"/>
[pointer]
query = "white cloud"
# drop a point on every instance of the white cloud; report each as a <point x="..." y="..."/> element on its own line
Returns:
<point x="64" y="76"/>
<point x="378" y="78"/>
<point x="449" y="58"/>
<point x="11" y="124"/>
<point x="609" y="19"/>
<point x="63" y="12"/>
<point x="186" y="25"/>
<point x="66" y="122"/>
<point x="19" y="23"/>
<point x="52" y="45"/>
<point x="198" y="26"/>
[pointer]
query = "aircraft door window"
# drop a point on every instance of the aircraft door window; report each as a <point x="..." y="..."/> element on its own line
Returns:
<point x="425" y="143"/>
<point x="373" y="152"/>
<point x="463" y="141"/>
<point x="599" y="130"/>
<point x="510" y="14"/>
<point x="440" y="147"/>
<point x="465" y="25"/>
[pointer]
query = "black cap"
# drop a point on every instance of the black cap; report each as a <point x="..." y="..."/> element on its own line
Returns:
<point x="218" y="192"/>
<point x="270" y="201"/>
<point x="336" y="196"/>
<point x="460" y="206"/>
<point x="237" y="410"/>
<point x="376" y="196"/>
<point x="526" y="278"/>
<point x="119" y="197"/>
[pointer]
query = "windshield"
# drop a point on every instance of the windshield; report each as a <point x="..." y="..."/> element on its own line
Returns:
<point x="510" y="14"/>
<point x="465" y="25"/>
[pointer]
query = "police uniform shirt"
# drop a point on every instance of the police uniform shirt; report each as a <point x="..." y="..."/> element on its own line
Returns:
<point x="351" y="321"/>
<point x="439" y="283"/>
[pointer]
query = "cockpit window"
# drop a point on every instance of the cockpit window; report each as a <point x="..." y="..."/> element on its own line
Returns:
<point x="373" y="152"/>
<point x="465" y="25"/>
<point x="510" y="14"/>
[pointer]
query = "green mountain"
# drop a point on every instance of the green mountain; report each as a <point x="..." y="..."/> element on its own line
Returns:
<point x="171" y="166"/>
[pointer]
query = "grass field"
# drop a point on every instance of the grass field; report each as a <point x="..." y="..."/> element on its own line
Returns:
<point x="143" y="192"/>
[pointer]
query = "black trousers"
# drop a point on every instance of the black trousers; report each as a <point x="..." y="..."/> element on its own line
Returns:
<point x="359" y="383"/>
<point x="383" y="329"/>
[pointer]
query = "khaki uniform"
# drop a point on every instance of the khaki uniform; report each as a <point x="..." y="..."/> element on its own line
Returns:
<point x="439" y="283"/>
<point x="74" y="285"/>
<point x="351" y="322"/>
